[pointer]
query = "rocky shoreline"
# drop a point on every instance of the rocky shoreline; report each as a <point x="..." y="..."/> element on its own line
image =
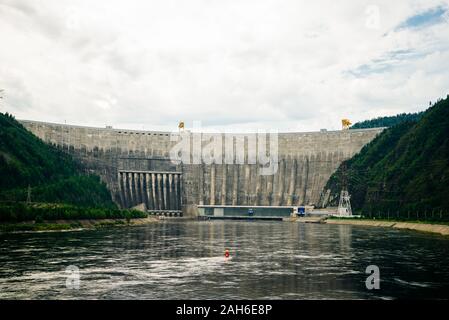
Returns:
<point x="72" y="225"/>
<point x="424" y="227"/>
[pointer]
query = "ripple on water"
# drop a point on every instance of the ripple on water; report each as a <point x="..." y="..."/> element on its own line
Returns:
<point x="414" y="283"/>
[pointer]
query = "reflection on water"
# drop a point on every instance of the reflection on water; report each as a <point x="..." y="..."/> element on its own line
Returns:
<point x="185" y="260"/>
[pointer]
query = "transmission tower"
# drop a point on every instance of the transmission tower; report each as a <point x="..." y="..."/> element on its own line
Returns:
<point x="344" y="205"/>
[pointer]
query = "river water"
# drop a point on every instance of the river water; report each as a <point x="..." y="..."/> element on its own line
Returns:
<point x="185" y="260"/>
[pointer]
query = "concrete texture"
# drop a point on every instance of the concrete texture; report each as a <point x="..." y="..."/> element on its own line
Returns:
<point x="137" y="169"/>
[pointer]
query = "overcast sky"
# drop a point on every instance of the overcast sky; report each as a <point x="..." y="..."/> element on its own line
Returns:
<point x="289" y="65"/>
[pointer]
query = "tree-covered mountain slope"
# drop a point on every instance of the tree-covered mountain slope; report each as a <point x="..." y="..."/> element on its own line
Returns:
<point x="53" y="176"/>
<point x="386" y="122"/>
<point x="405" y="169"/>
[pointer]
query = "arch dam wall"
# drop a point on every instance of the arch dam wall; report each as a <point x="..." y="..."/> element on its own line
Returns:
<point x="138" y="169"/>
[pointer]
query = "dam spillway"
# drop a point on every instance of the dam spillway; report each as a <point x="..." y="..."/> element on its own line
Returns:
<point x="158" y="191"/>
<point x="138" y="166"/>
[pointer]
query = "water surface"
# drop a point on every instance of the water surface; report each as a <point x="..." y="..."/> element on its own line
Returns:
<point x="185" y="260"/>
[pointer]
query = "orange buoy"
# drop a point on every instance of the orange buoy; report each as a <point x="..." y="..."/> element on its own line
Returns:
<point x="227" y="254"/>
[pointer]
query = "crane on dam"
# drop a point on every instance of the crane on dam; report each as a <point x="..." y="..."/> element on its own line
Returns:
<point x="346" y="123"/>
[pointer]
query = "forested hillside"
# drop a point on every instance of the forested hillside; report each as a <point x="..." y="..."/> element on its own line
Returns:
<point x="404" y="170"/>
<point x="52" y="175"/>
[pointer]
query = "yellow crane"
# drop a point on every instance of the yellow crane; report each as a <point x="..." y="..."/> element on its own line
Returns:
<point x="181" y="125"/>
<point x="346" y="123"/>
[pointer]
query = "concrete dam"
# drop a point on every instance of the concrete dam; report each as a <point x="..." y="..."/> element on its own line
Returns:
<point x="172" y="173"/>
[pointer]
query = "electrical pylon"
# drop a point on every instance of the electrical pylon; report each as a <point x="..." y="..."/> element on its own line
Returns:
<point x="344" y="205"/>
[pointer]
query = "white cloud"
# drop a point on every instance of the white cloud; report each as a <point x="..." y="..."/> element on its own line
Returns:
<point x="289" y="65"/>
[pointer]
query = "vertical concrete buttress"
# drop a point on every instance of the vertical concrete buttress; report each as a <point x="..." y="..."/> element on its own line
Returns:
<point x="291" y="189"/>
<point x="235" y="184"/>
<point x="164" y="181"/>
<point x="247" y="184"/>
<point x="131" y="191"/>
<point x="281" y="184"/>
<point x="212" y="183"/>
<point x="223" y="184"/>
<point x="175" y="181"/>
<point x="143" y="189"/>
<point x="150" y="204"/>
<point x="171" y="199"/>
<point x="154" y="192"/>
<point x="159" y="192"/>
